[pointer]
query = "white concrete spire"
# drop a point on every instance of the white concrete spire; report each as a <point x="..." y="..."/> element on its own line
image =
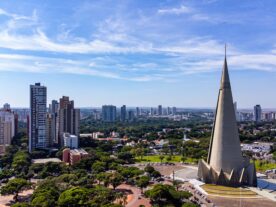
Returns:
<point x="225" y="152"/>
<point x="225" y="164"/>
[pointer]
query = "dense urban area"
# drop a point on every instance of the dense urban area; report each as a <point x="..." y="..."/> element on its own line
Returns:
<point x="116" y="157"/>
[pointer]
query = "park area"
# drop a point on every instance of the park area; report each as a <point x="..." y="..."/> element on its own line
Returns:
<point x="261" y="166"/>
<point x="165" y="158"/>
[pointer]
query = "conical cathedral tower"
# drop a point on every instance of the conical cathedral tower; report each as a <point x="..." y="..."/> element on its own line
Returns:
<point x="225" y="164"/>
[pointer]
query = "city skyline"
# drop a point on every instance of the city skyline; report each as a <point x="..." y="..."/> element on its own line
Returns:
<point x="138" y="53"/>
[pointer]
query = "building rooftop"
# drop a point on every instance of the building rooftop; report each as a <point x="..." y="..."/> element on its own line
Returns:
<point x="78" y="151"/>
<point x="43" y="161"/>
<point x="69" y="135"/>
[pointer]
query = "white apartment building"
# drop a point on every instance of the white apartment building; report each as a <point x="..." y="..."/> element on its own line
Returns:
<point x="70" y="141"/>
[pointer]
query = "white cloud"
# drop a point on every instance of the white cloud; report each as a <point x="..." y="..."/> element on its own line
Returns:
<point x="111" y="37"/>
<point x="200" y="17"/>
<point x="180" y="10"/>
<point x="195" y="46"/>
<point x="34" y="64"/>
<point x="25" y="63"/>
<point x="17" y="16"/>
<point x="173" y="58"/>
<point x="40" y="42"/>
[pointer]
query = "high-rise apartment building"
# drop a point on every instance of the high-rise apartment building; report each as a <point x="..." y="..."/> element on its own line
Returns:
<point x="160" y="110"/>
<point x="151" y="111"/>
<point x="50" y="126"/>
<point x="37" y="123"/>
<point x="108" y="113"/>
<point x="130" y="115"/>
<point x="138" y="111"/>
<point x="54" y="107"/>
<point x="123" y="113"/>
<point x="7" y="127"/>
<point x="54" y="119"/>
<point x="7" y="107"/>
<point x="68" y="118"/>
<point x="257" y="113"/>
<point x="169" y="111"/>
<point x="173" y="110"/>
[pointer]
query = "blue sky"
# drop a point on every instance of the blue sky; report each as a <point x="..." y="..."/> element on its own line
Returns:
<point x="138" y="52"/>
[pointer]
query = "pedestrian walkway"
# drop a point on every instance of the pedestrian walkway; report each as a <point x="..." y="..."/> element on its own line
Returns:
<point x="136" y="198"/>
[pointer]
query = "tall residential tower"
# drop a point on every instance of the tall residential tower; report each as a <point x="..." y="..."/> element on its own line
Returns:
<point x="109" y="113"/>
<point x="123" y="113"/>
<point x="68" y="117"/>
<point x="8" y="128"/>
<point x="257" y="113"/>
<point x="37" y="123"/>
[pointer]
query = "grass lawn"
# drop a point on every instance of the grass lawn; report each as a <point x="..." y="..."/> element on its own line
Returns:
<point x="155" y="158"/>
<point x="228" y="191"/>
<point x="263" y="166"/>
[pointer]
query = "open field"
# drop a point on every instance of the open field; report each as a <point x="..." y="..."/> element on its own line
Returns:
<point x="260" y="166"/>
<point x="156" y="158"/>
<point x="263" y="166"/>
<point x="216" y="190"/>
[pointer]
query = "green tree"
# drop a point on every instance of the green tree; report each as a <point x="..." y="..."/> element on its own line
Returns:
<point x="43" y="200"/>
<point x="177" y="184"/>
<point x="165" y="149"/>
<point x="183" y="159"/>
<point x="21" y="162"/>
<point x="166" y="194"/>
<point x="21" y="205"/>
<point x="98" y="167"/>
<point x="149" y="169"/>
<point x="116" y="179"/>
<point x="101" y="196"/>
<point x="15" y="186"/>
<point x="127" y="157"/>
<point x="169" y="158"/>
<point x="161" y="157"/>
<point x="75" y="196"/>
<point x="189" y="205"/>
<point x="129" y="172"/>
<point x="53" y="169"/>
<point x="155" y="174"/>
<point x="104" y="177"/>
<point x="140" y="152"/>
<point x="274" y="156"/>
<point x="142" y="182"/>
<point x="5" y="174"/>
